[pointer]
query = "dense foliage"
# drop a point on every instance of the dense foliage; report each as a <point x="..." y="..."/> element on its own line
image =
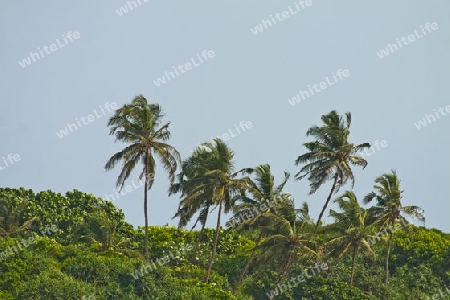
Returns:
<point x="63" y="265"/>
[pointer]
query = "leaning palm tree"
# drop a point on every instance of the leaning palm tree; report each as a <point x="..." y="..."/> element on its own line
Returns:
<point x="12" y="217"/>
<point x="191" y="203"/>
<point x="330" y="156"/>
<point x="139" y="124"/>
<point x="215" y="180"/>
<point x="389" y="208"/>
<point x="286" y="240"/>
<point x="263" y="223"/>
<point x="352" y="229"/>
<point x="264" y="193"/>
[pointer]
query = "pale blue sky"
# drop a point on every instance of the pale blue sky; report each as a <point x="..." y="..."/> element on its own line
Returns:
<point x="250" y="78"/>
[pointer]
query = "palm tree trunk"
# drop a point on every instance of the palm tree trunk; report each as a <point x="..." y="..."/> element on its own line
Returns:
<point x="213" y="254"/>
<point x="241" y="277"/>
<point x="326" y="203"/>
<point x="283" y="272"/>
<point x="146" y="211"/>
<point x="285" y="268"/>
<point x="355" y="253"/>
<point x="386" y="277"/>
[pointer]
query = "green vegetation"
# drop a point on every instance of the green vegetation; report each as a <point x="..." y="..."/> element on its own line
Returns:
<point x="77" y="246"/>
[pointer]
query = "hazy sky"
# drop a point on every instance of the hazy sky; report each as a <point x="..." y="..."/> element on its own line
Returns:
<point x="248" y="77"/>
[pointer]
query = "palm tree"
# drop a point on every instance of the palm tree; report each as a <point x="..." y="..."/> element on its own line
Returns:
<point x="287" y="240"/>
<point x="214" y="180"/>
<point x="353" y="228"/>
<point x="330" y="156"/>
<point x="222" y="181"/>
<point x="263" y="223"/>
<point x="389" y="208"/>
<point x="140" y="125"/>
<point x="264" y="193"/>
<point x="191" y="203"/>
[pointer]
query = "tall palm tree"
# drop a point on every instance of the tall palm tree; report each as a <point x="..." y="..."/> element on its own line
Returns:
<point x="263" y="194"/>
<point x="330" y="156"/>
<point x="389" y="208"/>
<point x="139" y="124"/>
<point x="215" y="179"/>
<point x="191" y="203"/>
<point x="352" y="228"/>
